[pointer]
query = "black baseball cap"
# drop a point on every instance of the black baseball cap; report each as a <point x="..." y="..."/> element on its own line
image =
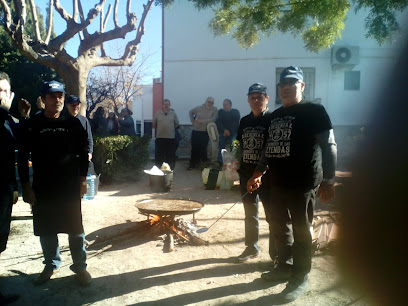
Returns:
<point x="52" y="86"/>
<point x="72" y="99"/>
<point x="292" y="73"/>
<point x="257" y="87"/>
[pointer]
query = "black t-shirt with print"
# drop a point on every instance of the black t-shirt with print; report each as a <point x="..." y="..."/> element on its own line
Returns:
<point x="252" y="135"/>
<point x="292" y="150"/>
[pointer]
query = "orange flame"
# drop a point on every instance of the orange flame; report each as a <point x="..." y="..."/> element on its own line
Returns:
<point x="153" y="219"/>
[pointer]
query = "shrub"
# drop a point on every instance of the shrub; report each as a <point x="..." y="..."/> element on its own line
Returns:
<point x="120" y="158"/>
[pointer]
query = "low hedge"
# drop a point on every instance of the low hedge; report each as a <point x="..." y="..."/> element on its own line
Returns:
<point x="120" y="158"/>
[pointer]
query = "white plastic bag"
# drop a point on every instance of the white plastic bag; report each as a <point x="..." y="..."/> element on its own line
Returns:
<point x="230" y="165"/>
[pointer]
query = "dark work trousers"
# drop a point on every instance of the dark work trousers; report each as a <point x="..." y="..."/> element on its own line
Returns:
<point x="199" y="142"/>
<point x="165" y="151"/>
<point x="251" y="207"/>
<point x="293" y="237"/>
<point x="6" y="204"/>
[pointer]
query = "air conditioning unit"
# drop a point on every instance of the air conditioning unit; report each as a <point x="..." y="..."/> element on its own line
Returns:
<point x="345" y="56"/>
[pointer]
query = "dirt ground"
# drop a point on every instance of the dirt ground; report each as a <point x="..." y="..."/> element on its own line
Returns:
<point x="129" y="267"/>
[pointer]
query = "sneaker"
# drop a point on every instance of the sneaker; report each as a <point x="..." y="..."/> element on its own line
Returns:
<point x="84" y="278"/>
<point x="276" y="275"/>
<point x="190" y="167"/>
<point x="293" y="291"/>
<point x="248" y="254"/>
<point x="44" y="276"/>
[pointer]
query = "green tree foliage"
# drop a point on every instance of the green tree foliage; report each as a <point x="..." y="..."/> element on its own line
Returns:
<point x="26" y="75"/>
<point x="319" y="23"/>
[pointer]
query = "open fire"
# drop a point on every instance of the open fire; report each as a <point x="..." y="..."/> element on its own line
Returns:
<point x="161" y="216"/>
<point x="176" y="231"/>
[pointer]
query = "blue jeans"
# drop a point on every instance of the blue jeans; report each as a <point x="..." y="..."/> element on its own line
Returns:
<point x="251" y="207"/>
<point x="51" y="250"/>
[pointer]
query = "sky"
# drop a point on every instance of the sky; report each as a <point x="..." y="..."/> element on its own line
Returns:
<point x="151" y="41"/>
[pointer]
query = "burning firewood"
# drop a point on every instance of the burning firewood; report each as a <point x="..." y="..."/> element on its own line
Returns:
<point x="181" y="230"/>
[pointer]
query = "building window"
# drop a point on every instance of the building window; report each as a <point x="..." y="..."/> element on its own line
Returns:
<point x="147" y="128"/>
<point x="352" y="80"/>
<point x="308" y="78"/>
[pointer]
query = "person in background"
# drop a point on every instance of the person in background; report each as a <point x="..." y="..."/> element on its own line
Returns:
<point x="8" y="182"/>
<point x="227" y="125"/>
<point x="74" y="106"/>
<point x="252" y="135"/>
<point x="40" y="105"/>
<point x="165" y="122"/>
<point x="113" y="125"/>
<point x="126" y="123"/>
<point x="200" y="116"/>
<point x="24" y="107"/>
<point x="301" y="156"/>
<point x="98" y="122"/>
<point x="59" y="152"/>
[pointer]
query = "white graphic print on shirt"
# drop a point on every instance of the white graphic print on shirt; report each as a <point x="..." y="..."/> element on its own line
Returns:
<point x="280" y="131"/>
<point x="252" y="144"/>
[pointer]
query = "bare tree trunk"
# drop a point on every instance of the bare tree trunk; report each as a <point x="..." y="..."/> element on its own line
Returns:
<point x="75" y="78"/>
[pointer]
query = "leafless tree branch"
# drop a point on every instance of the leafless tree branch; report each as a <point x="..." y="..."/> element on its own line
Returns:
<point x="133" y="46"/>
<point x="82" y="17"/>
<point x="97" y="38"/>
<point x="129" y="4"/>
<point x="35" y="20"/>
<point x="107" y="17"/>
<point x="7" y="15"/>
<point x="72" y="27"/>
<point x="115" y="14"/>
<point x="49" y="21"/>
<point x="21" y="7"/>
<point x="75" y="6"/>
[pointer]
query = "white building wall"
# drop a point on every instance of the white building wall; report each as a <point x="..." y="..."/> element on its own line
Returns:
<point x="197" y="65"/>
<point x="143" y="106"/>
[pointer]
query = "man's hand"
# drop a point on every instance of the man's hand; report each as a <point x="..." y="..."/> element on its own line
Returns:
<point x="254" y="182"/>
<point x="83" y="186"/>
<point x="15" y="197"/>
<point x="89" y="156"/>
<point x="227" y="133"/>
<point x="325" y="192"/>
<point x="24" y="107"/>
<point x="28" y="194"/>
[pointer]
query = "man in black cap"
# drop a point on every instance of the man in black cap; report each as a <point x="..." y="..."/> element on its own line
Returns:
<point x="74" y="106"/>
<point x="59" y="152"/>
<point x="252" y="135"/>
<point x="300" y="155"/>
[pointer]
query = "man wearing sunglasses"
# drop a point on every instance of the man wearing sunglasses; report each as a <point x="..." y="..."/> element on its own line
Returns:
<point x="300" y="155"/>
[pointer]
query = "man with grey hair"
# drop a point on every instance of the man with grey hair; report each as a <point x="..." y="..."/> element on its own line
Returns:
<point x="165" y="122"/>
<point x="200" y="117"/>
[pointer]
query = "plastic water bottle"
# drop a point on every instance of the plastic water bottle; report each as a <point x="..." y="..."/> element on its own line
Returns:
<point x="90" y="187"/>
